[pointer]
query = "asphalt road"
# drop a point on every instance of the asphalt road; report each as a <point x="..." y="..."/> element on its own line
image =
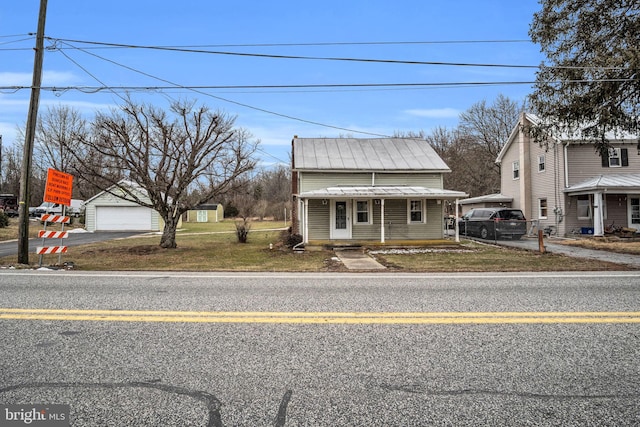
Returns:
<point x="9" y="248"/>
<point x="184" y="349"/>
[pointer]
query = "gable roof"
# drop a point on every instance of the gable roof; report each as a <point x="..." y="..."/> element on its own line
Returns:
<point x="123" y="183"/>
<point x="373" y="154"/>
<point x="566" y="138"/>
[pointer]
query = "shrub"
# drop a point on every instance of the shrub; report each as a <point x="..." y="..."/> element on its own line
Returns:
<point x="4" y="219"/>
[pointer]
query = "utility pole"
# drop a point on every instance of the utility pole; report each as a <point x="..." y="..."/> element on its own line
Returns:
<point x="25" y="177"/>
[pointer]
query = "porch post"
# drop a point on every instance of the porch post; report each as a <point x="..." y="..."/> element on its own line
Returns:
<point x="381" y="220"/>
<point x="455" y="218"/>
<point x="306" y="220"/>
<point x="598" y="215"/>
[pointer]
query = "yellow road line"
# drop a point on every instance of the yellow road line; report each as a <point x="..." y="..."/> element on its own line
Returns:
<point x="319" y="317"/>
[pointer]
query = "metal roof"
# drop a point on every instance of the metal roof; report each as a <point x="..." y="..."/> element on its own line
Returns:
<point x="609" y="182"/>
<point x="489" y="198"/>
<point x="382" y="192"/>
<point x="376" y="154"/>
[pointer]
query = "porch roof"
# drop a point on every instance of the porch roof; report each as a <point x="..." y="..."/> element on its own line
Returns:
<point x="382" y="192"/>
<point x="610" y="182"/>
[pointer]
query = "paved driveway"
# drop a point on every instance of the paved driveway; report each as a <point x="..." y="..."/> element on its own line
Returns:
<point x="10" y="248"/>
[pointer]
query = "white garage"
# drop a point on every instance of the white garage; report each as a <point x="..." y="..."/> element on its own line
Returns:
<point x="123" y="218"/>
<point x="110" y="211"/>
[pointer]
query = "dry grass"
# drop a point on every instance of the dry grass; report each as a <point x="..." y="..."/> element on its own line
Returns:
<point x="214" y="247"/>
<point x="613" y="244"/>
<point x="489" y="258"/>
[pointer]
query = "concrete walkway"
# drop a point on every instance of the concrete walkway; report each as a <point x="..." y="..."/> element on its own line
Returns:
<point x="356" y="259"/>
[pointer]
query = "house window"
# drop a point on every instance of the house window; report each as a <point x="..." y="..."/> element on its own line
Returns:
<point x="541" y="164"/>
<point x="516" y="170"/>
<point x="584" y="207"/>
<point x="362" y="212"/>
<point x="542" y="208"/>
<point x="614" y="158"/>
<point x="416" y="211"/>
<point x="635" y="210"/>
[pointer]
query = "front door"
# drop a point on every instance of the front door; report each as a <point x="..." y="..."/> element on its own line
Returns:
<point x="340" y="220"/>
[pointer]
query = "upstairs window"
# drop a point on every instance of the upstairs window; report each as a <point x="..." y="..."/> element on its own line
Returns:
<point x="615" y="158"/>
<point x="516" y="170"/>
<point x="541" y="163"/>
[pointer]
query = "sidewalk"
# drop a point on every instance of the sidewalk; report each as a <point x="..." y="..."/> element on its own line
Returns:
<point x="551" y="245"/>
<point x="356" y="259"/>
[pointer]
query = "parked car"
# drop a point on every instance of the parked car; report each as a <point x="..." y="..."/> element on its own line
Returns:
<point x="494" y="223"/>
<point x="9" y="204"/>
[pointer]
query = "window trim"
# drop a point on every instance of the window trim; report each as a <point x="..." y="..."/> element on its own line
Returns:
<point x="356" y="212"/>
<point x="515" y="166"/>
<point x="615" y="153"/>
<point x="541" y="208"/>
<point x="589" y="210"/>
<point x="423" y="211"/>
<point x="542" y="166"/>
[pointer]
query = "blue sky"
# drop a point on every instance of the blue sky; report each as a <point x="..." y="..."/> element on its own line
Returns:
<point x="398" y="32"/>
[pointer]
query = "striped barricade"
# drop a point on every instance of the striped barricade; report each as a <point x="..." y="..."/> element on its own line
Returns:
<point x="53" y="234"/>
<point x="55" y="218"/>
<point x="40" y="250"/>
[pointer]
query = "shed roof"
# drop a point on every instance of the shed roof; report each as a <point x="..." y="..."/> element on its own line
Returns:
<point x="374" y="154"/>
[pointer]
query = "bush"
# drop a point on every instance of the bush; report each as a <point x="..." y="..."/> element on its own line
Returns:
<point x="4" y="219"/>
<point x="290" y="239"/>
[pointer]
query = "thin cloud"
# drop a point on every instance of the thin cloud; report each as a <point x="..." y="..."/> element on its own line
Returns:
<point x="49" y="78"/>
<point x="434" y="113"/>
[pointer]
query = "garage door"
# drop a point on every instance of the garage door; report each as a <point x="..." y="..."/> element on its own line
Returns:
<point x="123" y="218"/>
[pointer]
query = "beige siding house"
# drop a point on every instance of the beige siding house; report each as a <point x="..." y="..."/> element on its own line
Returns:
<point x="368" y="190"/>
<point x="567" y="185"/>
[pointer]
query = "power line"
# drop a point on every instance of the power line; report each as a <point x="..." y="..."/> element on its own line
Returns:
<point x="299" y="57"/>
<point x="176" y="85"/>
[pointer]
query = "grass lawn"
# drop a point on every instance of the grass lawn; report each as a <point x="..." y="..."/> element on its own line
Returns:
<point x="214" y="247"/>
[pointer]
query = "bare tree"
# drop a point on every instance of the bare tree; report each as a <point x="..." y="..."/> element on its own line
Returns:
<point x="484" y="129"/>
<point x="182" y="159"/>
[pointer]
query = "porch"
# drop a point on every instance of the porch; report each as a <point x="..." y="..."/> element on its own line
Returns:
<point x="380" y="214"/>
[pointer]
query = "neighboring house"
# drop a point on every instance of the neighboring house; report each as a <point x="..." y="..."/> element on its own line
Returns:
<point x="359" y="190"/>
<point x="489" y="201"/>
<point x="213" y="212"/>
<point x="108" y="212"/>
<point x="568" y="185"/>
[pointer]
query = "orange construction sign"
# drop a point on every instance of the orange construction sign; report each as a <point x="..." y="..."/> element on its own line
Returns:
<point x="59" y="187"/>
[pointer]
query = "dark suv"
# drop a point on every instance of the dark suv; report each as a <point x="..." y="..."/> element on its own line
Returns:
<point x="9" y="204"/>
<point x="493" y="223"/>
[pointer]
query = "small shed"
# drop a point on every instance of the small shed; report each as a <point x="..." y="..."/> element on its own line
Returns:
<point x="107" y="211"/>
<point x="210" y="212"/>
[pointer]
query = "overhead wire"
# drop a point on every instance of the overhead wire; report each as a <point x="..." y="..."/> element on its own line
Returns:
<point x="176" y="85"/>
